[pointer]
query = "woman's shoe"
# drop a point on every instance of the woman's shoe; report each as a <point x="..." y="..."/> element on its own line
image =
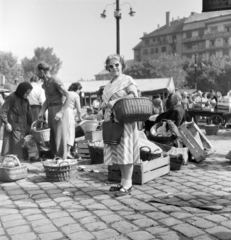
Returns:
<point x="69" y="156"/>
<point x="115" y="188"/>
<point x="123" y="192"/>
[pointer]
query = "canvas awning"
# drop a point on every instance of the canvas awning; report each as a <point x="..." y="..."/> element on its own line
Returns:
<point x="147" y="87"/>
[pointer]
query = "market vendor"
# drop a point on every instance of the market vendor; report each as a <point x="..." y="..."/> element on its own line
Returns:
<point x="176" y="113"/>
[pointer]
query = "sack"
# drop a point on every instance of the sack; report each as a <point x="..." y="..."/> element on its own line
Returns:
<point x="112" y="132"/>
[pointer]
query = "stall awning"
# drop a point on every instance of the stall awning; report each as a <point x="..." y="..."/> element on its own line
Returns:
<point x="146" y="86"/>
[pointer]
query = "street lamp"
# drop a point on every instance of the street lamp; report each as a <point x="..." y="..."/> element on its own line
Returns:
<point x="195" y="66"/>
<point x="117" y="15"/>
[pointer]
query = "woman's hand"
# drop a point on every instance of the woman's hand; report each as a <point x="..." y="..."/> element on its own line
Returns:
<point x="8" y="127"/>
<point x="58" y="116"/>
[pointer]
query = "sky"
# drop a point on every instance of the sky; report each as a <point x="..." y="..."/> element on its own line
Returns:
<point x="77" y="33"/>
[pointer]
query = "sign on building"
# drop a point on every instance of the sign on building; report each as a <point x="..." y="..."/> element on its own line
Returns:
<point x="216" y="5"/>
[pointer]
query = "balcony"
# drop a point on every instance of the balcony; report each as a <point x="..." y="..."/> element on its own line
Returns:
<point x="216" y="35"/>
<point x="193" y="50"/>
<point x="192" y="39"/>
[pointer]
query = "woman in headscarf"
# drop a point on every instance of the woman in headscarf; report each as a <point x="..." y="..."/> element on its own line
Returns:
<point x="74" y="91"/>
<point x="15" y="113"/>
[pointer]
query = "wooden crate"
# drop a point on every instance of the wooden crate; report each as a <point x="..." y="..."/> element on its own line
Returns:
<point x="197" y="143"/>
<point x="143" y="172"/>
<point x="94" y="136"/>
<point x="83" y="151"/>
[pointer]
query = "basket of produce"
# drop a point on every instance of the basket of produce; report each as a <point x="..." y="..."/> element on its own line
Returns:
<point x="146" y="154"/>
<point x="133" y="109"/>
<point x="211" y="129"/>
<point x="96" y="151"/>
<point x="41" y="134"/>
<point x="58" y="170"/>
<point x="11" y="169"/>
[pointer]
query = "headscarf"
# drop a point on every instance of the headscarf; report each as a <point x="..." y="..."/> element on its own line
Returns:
<point x="22" y="88"/>
<point x="43" y="66"/>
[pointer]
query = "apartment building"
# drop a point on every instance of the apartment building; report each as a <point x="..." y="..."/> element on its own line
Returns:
<point x="204" y="34"/>
<point x="166" y="39"/>
<point x="207" y="34"/>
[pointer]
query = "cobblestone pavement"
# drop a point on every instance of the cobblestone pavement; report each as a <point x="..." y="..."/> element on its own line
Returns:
<point x="193" y="203"/>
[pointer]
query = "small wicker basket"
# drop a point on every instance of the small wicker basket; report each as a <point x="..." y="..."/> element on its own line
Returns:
<point x="211" y="129"/>
<point x="96" y="152"/>
<point x="148" y="155"/>
<point x="60" y="171"/>
<point x="133" y="109"/>
<point x="14" y="173"/>
<point x="40" y="135"/>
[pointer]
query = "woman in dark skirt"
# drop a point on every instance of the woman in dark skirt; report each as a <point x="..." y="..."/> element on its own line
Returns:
<point x="15" y="113"/>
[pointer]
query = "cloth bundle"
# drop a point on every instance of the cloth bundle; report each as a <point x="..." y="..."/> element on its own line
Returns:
<point x="31" y="146"/>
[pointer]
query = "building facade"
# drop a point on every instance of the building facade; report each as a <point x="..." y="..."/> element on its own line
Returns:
<point x="203" y="34"/>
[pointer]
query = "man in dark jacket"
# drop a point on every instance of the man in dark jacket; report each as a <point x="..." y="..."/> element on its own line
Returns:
<point x="176" y="113"/>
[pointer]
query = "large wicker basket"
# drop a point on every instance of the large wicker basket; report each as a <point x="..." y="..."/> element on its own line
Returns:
<point x="14" y="173"/>
<point x="60" y="171"/>
<point x="170" y="141"/>
<point x="211" y="129"/>
<point x="40" y="135"/>
<point x="133" y="109"/>
<point x="96" y="152"/>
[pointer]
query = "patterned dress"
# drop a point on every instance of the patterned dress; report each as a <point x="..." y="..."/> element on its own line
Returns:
<point x="127" y="152"/>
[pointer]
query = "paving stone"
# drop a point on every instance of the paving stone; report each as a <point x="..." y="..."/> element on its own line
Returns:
<point x="135" y="216"/>
<point x="24" y="236"/>
<point x="226" y="224"/>
<point x="18" y="230"/>
<point x="169" y="236"/>
<point x="63" y="221"/>
<point x="145" y="222"/>
<point x="27" y="212"/>
<point x="201" y="223"/>
<point x="87" y="202"/>
<point x="157" y="215"/>
<point x="50" y="236"/>
<point x="14" y="223"/>
<point x="58" y="214"/>
<point x="106" y="234"/>
<point x="170" y="221"/>
<point x="181" y="215"/>
<point x="84" y="236"/>
<point x="95" y="226"/>
<point x="220" y="232"/>
<point x="188" y="230"/>
<point x="124" y="227"/>
<point x="47" y="204"/>
<point x="40" y="222"/>
<point x="169" y="209"/>
<point x="2" y="232"/>
<point x="11" y="217"/>
<point x="82" y="214"/>
<point x="140" y="235"/>
<point x="45" y="228"/>
<point x="102" y="212"/>
<point x="111" y="218"/>
<point x="96" y="206"/>
<point x="205" y="237"/>
<point x="15" y="192"/>
<point x="35" y="217"/>
<point x="157" y="229"/>
<point x="216" y="218"/>
<point x="4" y="238"/>
<point x="72" y="228"/>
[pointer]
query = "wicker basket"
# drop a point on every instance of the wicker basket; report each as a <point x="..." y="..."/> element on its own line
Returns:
<point x="40" y="135"/>
<point x="133" y="109"/>
<point x="148" y="155"/>
<point x="14" y="173"/>
<point x="170" y="141"/>
<point x="96" y="152"/>
<point x="211" y="129"/>
<point x="60" y="171"/>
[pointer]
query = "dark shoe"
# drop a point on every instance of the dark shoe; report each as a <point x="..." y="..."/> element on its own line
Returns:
<point x="115" y="188"/>
<point x="123" y="192"/>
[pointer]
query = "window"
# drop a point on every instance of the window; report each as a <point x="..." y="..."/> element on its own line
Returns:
<point x="195" y="34"/>
<point x="146" y="41"/>
<point x="226" y="41"/>
<point x="163" y="49"/>
<point x="174" y="38"/>
<point x="152" y="50"/>
<point x="212" y="43"/>
<point x="228" y="28"/>
<point x="145" y="52"/>
<point x="214" y="29"/>
<point x="154" y="40"/>
<point x="188" y="34"/>
<point x="156" y="50"/>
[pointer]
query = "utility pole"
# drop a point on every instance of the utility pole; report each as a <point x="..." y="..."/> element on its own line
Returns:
<point x="117" y="16"/>
<point x="195" y="66"/>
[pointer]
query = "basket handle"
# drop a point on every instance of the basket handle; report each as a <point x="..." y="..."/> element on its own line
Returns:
<point x="32" y="125"/>
<point x="11" y="155"/>
<point x="57" y="158"/>
<point x="64" y="162"/>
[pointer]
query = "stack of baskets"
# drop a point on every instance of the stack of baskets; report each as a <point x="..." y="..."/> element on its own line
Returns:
<point x="58" y="170"/>
<point x="40" y="135"/>
<point x="211" y="129"/>
<point x="133" y="109"/>
<point x="11" y="169"/>
<point x="96" y="151"/>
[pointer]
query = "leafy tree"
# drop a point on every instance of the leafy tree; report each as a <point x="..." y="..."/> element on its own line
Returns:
<point x="9" y="66"/>
<point x="41" y="54"/>
<point x="164" y="66"/>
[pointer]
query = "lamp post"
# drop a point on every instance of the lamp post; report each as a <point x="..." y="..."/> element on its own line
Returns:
<point x="117" y="15"/>
<point x="195" y="66"/>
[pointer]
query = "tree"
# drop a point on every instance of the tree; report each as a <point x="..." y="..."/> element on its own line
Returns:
<point x="9" y="66"/>
<point x="41" y="55"/>
<point x="162" y="67"/>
